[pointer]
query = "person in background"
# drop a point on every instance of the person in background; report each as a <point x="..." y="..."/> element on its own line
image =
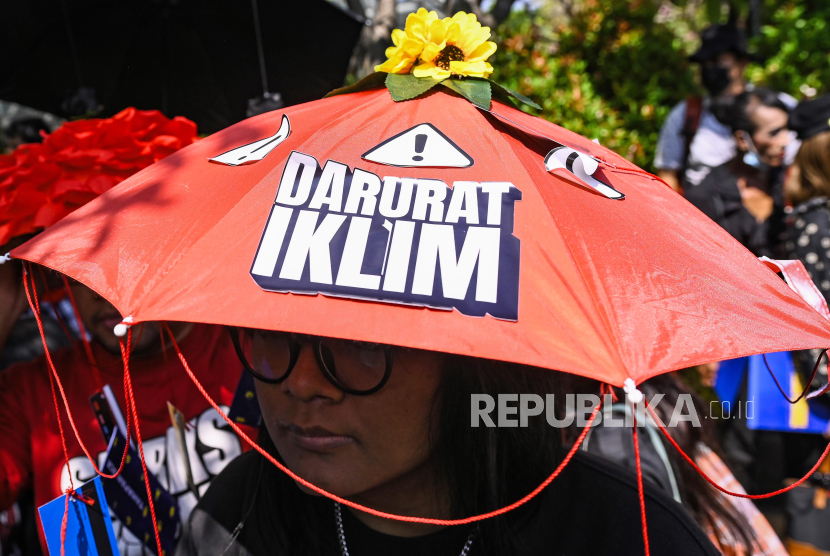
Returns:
<point x="30" y="452"/>
<point x="42" y="181"/>
<point x="807" y="188"/>
<point x="32" y="465"/>
<point x="19" y="336"/>
<point x="734" y="525"/>
<point x="696" y="136"/>
<point x="807" y="238"/>
<point x="743" y="195"/>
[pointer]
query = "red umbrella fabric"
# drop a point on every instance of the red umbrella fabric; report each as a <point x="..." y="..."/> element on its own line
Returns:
<point x="569" y="280"/>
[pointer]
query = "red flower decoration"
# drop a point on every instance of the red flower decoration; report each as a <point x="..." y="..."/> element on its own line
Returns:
<point x="42" y="183"/>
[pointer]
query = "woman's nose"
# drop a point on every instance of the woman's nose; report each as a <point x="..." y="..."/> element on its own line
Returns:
<point x="307" y="381"/>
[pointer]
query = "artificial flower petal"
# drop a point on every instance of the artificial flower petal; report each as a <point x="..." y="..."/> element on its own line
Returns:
<point x="41" y="183"/>
<point x="484" y="51"/>
<point x="430" y="70"/>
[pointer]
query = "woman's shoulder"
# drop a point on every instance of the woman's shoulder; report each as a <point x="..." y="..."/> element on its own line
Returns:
<point x="593" y="508"/>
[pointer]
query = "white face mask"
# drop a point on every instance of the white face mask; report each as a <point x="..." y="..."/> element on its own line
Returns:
<point x="751" y="157"/>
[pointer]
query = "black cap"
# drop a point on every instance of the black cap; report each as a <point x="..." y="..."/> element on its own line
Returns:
<point x="811" y="117"/>
<point x="718" y="39"/>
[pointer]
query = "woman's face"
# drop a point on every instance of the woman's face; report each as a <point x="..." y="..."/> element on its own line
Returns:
<point x="350" y="445"/>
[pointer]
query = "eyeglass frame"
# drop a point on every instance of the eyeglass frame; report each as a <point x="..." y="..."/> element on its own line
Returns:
<point x="295" y="346"/>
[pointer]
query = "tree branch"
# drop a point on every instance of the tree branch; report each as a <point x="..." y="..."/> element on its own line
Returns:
<point x="371" y="48"/>
<point x="499" y="12"/>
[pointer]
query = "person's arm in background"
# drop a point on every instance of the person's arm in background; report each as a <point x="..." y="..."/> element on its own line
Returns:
<point x="671" y="177"/>
<point x="15" y="431"/>
<point x="671" y="147"/>
<point x="13" y="301"/>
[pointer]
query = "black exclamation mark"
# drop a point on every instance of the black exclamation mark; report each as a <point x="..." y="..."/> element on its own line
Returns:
<point x="420" y="143"/>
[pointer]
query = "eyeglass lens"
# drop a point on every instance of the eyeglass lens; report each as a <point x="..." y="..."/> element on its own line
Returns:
<point x="356" y="366"/>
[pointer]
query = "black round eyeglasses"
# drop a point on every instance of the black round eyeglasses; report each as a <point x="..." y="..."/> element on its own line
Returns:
<point x="358" y="368"/>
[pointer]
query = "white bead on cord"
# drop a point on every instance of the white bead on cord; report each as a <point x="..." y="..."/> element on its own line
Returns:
<point x="634" y="395"/>
<point x="5" y="258"/>
<point x="121" y="328"/>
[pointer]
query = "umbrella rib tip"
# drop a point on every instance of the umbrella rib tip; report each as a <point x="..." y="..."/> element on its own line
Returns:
<point x="633" y="393"/>
<point x="122" y="327"/>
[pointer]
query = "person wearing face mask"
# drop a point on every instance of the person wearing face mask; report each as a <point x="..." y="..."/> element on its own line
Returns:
<point x="743" y="195"/>
<point x="807" y="188"/>
<point x="696" y="136"/>
<point x="807" y="239"/>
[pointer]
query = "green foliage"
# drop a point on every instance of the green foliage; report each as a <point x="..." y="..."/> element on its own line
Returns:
<point x="371" y="81"/>
<point x="405" y="86"/>
<point x="476" y="91"/>
<point x="607" y="72"/>
<point x="613" y="69"/>
<point x="795" y="40"/>
<point x="509" y="94"/>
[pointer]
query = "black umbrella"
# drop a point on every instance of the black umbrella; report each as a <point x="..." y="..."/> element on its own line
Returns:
<point x="196" y="58"/>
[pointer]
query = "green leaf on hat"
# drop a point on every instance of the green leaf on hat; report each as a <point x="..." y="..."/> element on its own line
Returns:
<point x="371" y="81"/>
<point x="511" y="93"/>
<point x="405" y="86"/>
<point x="476" y="91"/>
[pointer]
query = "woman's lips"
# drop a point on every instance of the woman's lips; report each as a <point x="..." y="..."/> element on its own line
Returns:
<point x="316" y="439"/>
<point x="110" y="321"/>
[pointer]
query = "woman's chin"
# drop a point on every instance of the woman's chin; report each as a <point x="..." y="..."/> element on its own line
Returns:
<point x="333" y="485"/>
<point x="327" y="473"/>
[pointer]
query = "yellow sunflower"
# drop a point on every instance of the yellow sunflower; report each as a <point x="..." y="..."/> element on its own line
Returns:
<point x="456" y="46"/>
<point x="409" y="43"/>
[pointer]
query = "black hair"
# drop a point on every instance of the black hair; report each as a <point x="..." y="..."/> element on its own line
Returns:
<point x="708" y="507"/>
<point x="28" y="130"/>
<point x="482" y="468"/>
<point x="488" y="468"/>
<point x="745" y="103"/>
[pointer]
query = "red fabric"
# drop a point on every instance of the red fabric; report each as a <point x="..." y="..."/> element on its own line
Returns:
<point x="42" y="183"/>
<point x="608" y="289"/>
<point x="799" y="280"/>
<point x="31" y="454"/>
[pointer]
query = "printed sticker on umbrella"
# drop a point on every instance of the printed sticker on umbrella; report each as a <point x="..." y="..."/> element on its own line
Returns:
<point x="422" y="145"/>
<point x="582" y="167"/>
<point x="395" y="240"/>
<point x="256" y="151"/>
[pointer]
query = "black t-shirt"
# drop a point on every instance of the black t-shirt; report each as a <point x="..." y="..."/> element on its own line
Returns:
<point x="591" y="509"/>
<point x="719" y="198"/>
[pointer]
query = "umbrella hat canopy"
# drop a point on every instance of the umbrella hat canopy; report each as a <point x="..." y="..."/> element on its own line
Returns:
<point x="607" y="289"/>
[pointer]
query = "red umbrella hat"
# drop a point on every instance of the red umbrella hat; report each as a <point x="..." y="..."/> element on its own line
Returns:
<point x="326" y="233"/>
<point x="444" y="223"/>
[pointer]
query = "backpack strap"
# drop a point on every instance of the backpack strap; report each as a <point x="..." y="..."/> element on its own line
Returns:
<point x="694" y="110"/>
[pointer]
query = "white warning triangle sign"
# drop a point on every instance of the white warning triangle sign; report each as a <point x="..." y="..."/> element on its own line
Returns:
<point x="422" y="145"/>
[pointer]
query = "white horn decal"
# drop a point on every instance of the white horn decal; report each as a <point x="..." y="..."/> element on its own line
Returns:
<point x="256" y="151"/>
<point x="582" y="167"/>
